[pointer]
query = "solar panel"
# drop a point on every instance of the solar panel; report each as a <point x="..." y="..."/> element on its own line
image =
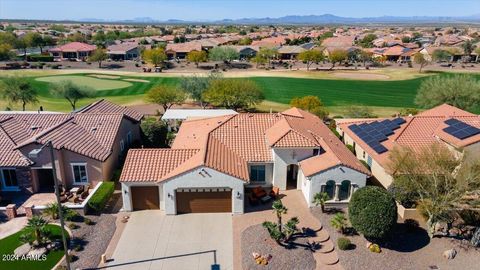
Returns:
<point x="399" y="121"/>
<point x="451" y="121"/>
<point x="472" y="130"/>
<point x="380" y="149"/>
<point x="460" y="134"/>
<point x="460" y="129"/>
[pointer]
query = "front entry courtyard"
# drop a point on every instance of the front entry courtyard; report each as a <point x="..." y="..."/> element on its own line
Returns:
<point x="153" y="240"/>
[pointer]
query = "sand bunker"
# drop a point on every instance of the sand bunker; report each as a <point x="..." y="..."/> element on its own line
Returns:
<point x="360" y="76"/>
<point x="137" y="80"/>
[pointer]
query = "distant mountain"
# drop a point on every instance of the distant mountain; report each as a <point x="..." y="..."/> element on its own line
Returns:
<point x="309" y="19"/>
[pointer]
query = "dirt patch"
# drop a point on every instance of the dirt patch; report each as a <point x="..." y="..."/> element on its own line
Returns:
<point x="104" y="76"/>
<point x="256" y="239"/>
<point x="137" y="80"/>
<point x="405" y="250"/>
<point x="360" y="76"/>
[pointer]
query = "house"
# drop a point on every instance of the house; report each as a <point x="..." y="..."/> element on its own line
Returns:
<point x="88" y="146"/>
<point x="123" y="51"/>
<point x="247" y="51"/>
<point x="373" y="139"/>
<point x="213" y="161"/>
<point x="180" y="50"/>
<point x="290" y="52"/>
<point x="456" y="53"/>
<point x="72" y="50"/>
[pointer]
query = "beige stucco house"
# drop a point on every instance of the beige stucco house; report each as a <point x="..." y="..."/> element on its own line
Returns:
<point x="88" y="146"/>
<point x="214" y="160"/>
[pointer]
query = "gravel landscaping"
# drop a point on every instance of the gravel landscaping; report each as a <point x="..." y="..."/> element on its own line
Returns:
<point x="257" y="239"/>
<point x="406" y="250"/>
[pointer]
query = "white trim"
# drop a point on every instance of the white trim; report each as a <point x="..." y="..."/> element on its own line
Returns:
<point x="73" y="172"/>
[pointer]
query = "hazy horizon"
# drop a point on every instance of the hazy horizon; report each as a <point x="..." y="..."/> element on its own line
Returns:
<point x="209" y="10"/>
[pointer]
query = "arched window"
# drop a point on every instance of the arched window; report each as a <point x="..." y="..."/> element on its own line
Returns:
<point x="344" y="190"/>
<point x="330" y="189"/>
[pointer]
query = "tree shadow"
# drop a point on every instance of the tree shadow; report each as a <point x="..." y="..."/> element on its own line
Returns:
<point x="406" y="239"/>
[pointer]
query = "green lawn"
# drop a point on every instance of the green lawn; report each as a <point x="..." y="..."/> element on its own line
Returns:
<point x="384" y="97"/>
<point x="10" y="243"/>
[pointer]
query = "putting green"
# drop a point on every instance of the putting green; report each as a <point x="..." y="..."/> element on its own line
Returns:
<point x="95" y="83"/>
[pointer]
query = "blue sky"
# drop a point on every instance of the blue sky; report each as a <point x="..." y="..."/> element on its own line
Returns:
<point x="220" y="9"/>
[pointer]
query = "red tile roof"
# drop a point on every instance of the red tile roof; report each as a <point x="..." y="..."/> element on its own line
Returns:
<point x="419" y="131"/>
<point x="105" y="106"/>
<point x="228" y="143"/>
<point x="74" y="47"/>
<point x="89" y="132"/>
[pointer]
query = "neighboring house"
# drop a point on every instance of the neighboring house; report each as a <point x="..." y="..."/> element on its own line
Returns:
<point x="246" y="52"/>
<point x="174" y="117"/>
<point x="213" y="160"/>
<point x="180" y="50"/>
<point x="290" y="52"/>
<point x="456" y="53"/>
<point x="72" y="50"/>
<point x="123" y="51"/>
<point x="373" y="139"/>
<point x="88" y="145"/>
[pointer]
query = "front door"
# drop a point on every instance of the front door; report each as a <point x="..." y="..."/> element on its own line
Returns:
<point x="45" y="180"/>
<point x="292" y="172"/>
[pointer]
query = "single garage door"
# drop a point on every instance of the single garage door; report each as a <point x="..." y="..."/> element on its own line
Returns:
<point x="144" y="198"/>
<point x="204" y="201"/>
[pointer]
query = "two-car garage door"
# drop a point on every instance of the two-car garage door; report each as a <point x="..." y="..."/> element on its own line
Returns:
<point x="203" y="200"/>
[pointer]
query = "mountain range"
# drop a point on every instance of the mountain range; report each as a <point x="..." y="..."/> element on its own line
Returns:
<point x="307" y="19"/>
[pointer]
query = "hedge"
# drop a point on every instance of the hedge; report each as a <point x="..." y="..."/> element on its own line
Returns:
<point x="40" y="58"/>
<point x="98" y="201"/>
<point x="372" y="212"/>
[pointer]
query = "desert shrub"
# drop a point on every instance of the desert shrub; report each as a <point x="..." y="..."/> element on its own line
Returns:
<point x="405" y="198"/>
<point x="375" y="248"/>
<point x="40" y="58"/>
<point x="350" y="147"/>
<point x="343" y="243"/>
<point x="88" y="221"/>
<point x="373" y="212"/>
<point x="98" y="201"/>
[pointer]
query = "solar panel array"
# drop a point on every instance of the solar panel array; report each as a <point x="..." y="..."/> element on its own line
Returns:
<point x="376" y="132"/>
<point x="459" y="129"/>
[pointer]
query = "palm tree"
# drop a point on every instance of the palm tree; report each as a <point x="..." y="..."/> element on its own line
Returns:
<point x="320" y="198"/>
<point x="279" y="209"/>
<point x="37" y="225"/>
<point x="290" y="228"/>
<point x="339" y="222"/>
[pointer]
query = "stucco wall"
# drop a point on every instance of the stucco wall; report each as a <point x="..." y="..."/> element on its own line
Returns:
<point x="190" y="179"/>
<point x="377" y="170"/>
<point x="337" y="174"/>
<point x="193" y="179"/>
<point x="284" y="157"/>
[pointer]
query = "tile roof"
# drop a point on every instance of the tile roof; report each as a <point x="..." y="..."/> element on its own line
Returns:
<point x="87" y="132"/>
<point x="152" y="165"/>
<point x="74" y="47"/>
<point x="105" y="106"/>
<point x="419" y="131"/>
<point x="122" y="48"/>
<point x="228" y="143"/>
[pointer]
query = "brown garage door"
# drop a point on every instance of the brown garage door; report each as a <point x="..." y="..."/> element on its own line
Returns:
<point x="144" y="198"/>
<point x="204" y="202"/>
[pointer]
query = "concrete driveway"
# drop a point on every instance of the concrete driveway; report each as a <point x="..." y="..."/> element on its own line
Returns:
<point x="152" y="240"/>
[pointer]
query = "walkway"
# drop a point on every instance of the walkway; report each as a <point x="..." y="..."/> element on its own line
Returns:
<point x="326" y="257"/>
<point x="12" y="226"/>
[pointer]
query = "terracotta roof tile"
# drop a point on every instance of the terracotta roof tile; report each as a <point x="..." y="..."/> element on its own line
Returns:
<point x="105" y="106"/>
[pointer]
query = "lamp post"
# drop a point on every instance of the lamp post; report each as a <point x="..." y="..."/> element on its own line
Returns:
<point x="34" y="154"/>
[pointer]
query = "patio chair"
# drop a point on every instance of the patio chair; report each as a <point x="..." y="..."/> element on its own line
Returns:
<point x="259" y="192"/>
<point x="80" y="190"/>
<point x="274" y="192"/>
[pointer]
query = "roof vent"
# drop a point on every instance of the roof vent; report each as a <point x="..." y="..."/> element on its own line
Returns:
<point x="34" y="127"/>
<point x="94" y="129"/>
